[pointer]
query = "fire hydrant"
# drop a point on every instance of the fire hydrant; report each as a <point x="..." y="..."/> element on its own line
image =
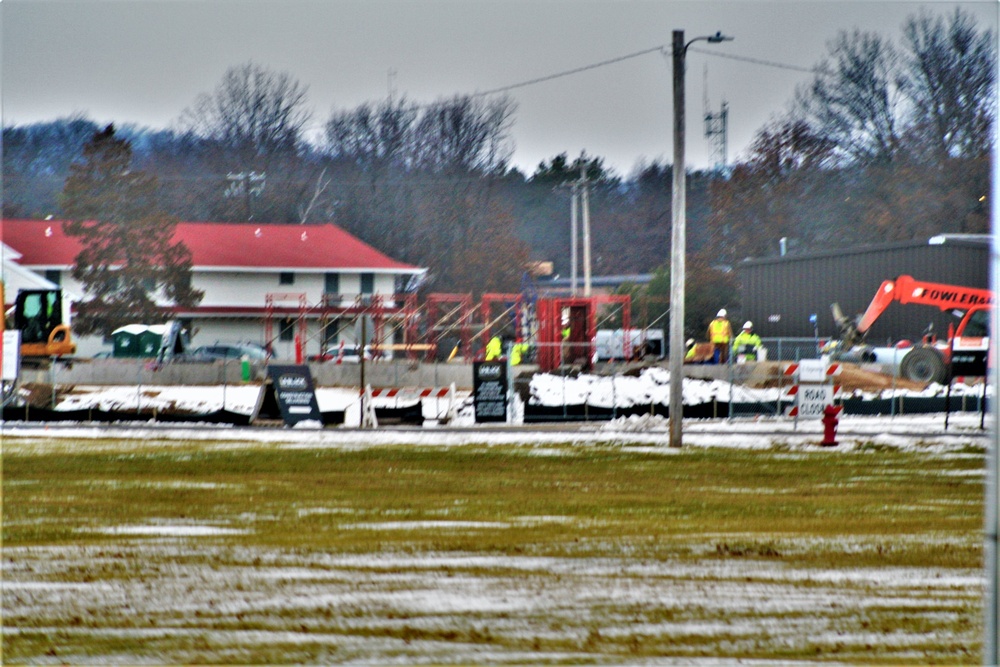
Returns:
<point x="830" y="421"/>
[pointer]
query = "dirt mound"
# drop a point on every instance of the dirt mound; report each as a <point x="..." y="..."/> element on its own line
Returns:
<point x="852" y="377"/>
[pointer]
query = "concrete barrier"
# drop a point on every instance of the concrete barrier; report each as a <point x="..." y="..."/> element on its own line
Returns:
<point x="395" y="373"/>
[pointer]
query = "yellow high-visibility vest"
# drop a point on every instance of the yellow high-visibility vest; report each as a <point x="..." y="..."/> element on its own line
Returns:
<point x="719" y="331"/>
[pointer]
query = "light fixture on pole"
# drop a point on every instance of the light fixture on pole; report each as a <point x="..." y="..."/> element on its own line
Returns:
<point x="678" y="237"/>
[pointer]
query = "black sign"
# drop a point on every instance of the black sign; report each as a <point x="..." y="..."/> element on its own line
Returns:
<point x="970" y="363"/>
<point x="296" y="395"/>
<point x="489" y="389"/>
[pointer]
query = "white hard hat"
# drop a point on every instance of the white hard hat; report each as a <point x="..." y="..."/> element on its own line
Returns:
<point x="722" y="313"/>
<point x="748" y="325"/>
<point x="689" y="342"/>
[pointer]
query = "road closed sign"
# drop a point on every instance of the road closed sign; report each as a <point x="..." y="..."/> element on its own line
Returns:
<point x="811" y="399"/>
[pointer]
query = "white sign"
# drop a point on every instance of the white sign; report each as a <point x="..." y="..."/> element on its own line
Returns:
<point x="812" y="398"/>
<point x="11" y="354"/>
<point x="812" y="370"/>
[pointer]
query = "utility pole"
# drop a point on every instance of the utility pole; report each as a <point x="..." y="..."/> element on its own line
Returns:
<point x="585" y="205"/>
<point x="678" y="239"/>
<point x="678" y="247"/>
<point x="579" y="210"/>
<point x="574" y="244"/>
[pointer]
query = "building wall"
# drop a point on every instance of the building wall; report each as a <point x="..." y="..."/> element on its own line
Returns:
<point x="237" y="288"/>
<point x="780" y="294"/>
<point x="250" y="290"/>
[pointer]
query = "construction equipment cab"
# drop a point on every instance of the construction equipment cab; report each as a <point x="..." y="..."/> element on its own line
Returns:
<point x="38" y="315"/>
<point x="965" y="350"/>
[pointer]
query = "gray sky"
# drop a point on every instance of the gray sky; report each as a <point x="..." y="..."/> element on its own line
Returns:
<point x="144" y="61"/>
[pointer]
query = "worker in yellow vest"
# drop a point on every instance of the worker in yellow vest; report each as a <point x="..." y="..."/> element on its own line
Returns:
<point x="747" y="344"/>
<point x="720" y="332"/>
<point x="517" y="353"/>
<point x="494" y="348"/>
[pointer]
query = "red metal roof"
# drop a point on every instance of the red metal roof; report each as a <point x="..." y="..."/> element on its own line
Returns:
<point x="43" y="243"/>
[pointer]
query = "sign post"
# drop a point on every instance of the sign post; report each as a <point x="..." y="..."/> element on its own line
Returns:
<point x="11" y="355"/>
<point x="489" y="391"/>
<point x="295" y="394"/>
<point x="814" y="390"/>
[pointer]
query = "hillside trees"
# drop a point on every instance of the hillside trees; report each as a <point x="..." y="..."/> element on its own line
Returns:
<point x="706" y="289"/>
<point x="888" y="143"/>
<point x="424" y="182"/>
<point x="128" y="257"/>
<point x="251" y="127"/>
<point x="36" y="160"/>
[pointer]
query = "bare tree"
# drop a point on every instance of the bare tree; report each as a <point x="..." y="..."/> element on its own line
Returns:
<point x="254" y="120"/>
<point x="253" y="111"/>
<point x="854" y="101"/>
<point x="949" y="71"/>
<point x="467" y="134"/>
<point x="373" y="135"/>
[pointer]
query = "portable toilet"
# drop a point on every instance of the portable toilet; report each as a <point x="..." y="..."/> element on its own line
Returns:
<point x="125" y="341"/>
<point x="151" y="339"/>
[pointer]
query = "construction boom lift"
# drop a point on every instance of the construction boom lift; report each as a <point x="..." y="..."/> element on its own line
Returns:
<point x="965" y="350"/>
<point x="38" y="315"/>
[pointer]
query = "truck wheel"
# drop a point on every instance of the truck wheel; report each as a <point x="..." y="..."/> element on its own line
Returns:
<point x="923" y="364"/>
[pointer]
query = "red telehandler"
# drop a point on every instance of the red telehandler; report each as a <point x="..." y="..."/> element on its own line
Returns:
<point x="965" y="350"/>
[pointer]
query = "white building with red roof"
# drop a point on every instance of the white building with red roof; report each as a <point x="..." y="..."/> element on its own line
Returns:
<point x="257" y="278"/>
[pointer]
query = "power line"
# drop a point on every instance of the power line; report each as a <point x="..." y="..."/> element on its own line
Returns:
<point x="758" y="61"/>
<point x="569" y="72"/>
<point x="663" y="48"/>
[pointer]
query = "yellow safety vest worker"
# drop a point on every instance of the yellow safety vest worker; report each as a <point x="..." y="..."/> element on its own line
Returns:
<point x="719" y="330"/>
<point x="493" y="349"/>
<point x="517" y="352"/>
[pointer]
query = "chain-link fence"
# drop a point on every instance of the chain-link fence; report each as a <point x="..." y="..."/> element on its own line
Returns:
<point x="735" y="390"/>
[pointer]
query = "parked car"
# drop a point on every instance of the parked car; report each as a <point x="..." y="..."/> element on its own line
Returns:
<point x="250" y="351"/>
<point x="349" y="354"/>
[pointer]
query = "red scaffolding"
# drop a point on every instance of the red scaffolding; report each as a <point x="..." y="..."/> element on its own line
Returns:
<point x="567" y="328"/>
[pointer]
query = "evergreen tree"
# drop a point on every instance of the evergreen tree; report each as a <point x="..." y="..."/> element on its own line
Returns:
<point x="130" y="269"/>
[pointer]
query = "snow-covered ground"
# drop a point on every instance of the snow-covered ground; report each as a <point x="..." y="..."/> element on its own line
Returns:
<point x="651" y="387"/>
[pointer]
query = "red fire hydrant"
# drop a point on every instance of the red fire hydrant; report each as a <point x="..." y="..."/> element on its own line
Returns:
<point x="830" y="421"/>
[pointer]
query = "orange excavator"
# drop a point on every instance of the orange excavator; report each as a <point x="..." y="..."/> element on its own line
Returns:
<point x="38" y="315"/>
<point x="963" y="352"/>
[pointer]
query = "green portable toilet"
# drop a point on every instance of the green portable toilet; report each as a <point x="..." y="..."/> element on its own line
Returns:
<point x="151" y="339"/>
<point x="125" y="341"/>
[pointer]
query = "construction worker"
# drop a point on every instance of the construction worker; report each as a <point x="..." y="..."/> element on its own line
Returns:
<point x="720" y="332"/>
<point x="517" y="353"/>
<point x="494" y="348"/>
<point x="747" y="343"/>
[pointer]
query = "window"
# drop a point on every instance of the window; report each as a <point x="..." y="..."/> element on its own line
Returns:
<point x="978" y="324"/>
<point x="286" y="278"/>
<point x="331" y="333"/>
<point x="54" y="276"/>
<point x="367" y="283"/>
<point x="287" y="333"/>
<point x="331" y="283"/>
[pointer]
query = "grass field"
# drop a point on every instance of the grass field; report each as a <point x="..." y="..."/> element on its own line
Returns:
<point x="154" y="552"/>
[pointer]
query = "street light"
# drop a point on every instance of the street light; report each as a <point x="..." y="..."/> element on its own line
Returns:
<point x="678" y="240"/>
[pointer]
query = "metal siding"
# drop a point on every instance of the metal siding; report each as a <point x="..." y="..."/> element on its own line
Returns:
<point x="795" y="287"/>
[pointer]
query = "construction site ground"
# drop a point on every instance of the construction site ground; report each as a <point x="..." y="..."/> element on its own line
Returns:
<point x="850" y="377"/>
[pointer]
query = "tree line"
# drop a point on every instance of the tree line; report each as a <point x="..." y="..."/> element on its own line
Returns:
<point x="888" y="141"/>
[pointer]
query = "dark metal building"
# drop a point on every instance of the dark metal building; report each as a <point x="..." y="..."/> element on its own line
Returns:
<point x="781" y="294"/>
